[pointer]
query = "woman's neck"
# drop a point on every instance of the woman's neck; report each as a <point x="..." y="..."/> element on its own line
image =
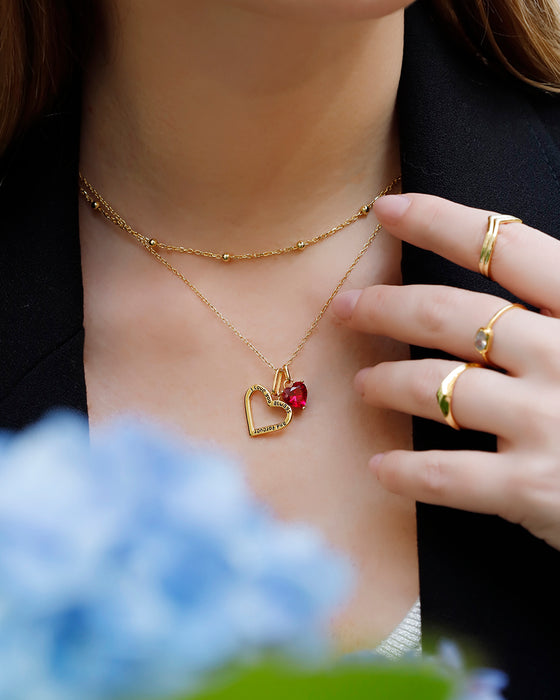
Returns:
<point x="203" y="121"/>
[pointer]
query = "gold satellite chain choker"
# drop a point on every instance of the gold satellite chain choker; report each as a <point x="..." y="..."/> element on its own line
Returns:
<point x="285" y="393"/>
<point x="103" y="207"/>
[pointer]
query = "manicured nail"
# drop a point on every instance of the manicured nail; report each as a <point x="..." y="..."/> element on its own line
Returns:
<point x="375" y="461"/>
<point x="390" y="208"/>
<point x="343" y="305"/>
<point x="360" y="380"/>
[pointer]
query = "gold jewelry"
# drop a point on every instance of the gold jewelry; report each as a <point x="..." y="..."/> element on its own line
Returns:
<point x="485" y="335"/>
<point x="98" y="203"/>
<point x="489" y="241"/>
<point x="254" y="432"/>
<point x="444" y="394"/>
<point x="285" y="393"/>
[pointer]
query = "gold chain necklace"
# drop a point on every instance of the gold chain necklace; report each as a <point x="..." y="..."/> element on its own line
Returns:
<point x="98" y="203"/>
<point x="285" y="393"/>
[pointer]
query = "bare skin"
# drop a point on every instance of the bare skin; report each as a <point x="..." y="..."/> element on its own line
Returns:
<point x="285" y="127"/>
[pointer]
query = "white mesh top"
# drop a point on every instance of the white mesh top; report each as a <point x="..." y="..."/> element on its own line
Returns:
<point x="405" y="638"/>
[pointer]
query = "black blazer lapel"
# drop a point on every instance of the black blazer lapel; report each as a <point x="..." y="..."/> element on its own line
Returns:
<point x="40" y="273"/>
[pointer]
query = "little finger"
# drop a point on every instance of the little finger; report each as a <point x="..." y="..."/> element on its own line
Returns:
<point x="464" y="479"/>
<point x="523" y="490"/>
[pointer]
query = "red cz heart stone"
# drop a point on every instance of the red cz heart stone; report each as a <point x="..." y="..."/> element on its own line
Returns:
<point x="295" y="395"/>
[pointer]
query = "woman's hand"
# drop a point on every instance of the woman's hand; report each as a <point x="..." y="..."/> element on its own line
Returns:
<point x="521" y="482"/>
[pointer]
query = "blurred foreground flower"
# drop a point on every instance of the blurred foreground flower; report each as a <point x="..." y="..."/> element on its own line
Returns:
<point x="132" y="567"/>
<point x="142" y="568"/>
<point x="480" y="684"/>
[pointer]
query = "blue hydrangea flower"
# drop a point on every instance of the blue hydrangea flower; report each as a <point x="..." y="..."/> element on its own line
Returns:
<point x="477" y="684"/>
<point x="132" y="566"/>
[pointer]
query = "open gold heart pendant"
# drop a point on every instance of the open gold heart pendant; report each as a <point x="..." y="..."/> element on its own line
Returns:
<point x="293" y="395"/>
<point x="265" y="430"/>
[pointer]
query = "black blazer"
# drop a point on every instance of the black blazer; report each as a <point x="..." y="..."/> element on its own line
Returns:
<point x="467" y="134"/>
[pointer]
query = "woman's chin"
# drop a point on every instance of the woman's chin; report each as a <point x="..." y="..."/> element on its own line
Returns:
<point x="322" y="10"/>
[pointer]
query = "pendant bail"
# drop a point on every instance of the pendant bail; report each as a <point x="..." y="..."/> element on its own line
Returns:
<point x="281" y="379"/>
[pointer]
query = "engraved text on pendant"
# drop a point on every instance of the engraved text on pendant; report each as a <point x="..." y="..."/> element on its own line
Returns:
<point x="272" y="403"/>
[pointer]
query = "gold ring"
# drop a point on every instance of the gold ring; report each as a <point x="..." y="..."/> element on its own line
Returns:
<point x="494" y="221"/>
<point x="484" y="336"/>
<point x="444" y="394"/>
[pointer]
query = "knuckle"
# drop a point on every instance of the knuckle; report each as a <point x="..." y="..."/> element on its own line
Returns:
<point x="511" y="237"/>
<point x="432" y="214"/>
<point x="433" y="479"/>
<point x="423" y="385"/>
<point x="375" y="302"/>
<point x="544" y="351"/>
<point x="534" y="484"/>
<point x="542" y="422"/>
<point x="433" y="312"/>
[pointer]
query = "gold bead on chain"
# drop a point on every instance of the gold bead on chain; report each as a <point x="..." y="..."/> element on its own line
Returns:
<point x="98" y="203"/>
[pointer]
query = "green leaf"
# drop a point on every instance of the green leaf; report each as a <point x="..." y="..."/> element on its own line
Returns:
<point x="383" y="682"/>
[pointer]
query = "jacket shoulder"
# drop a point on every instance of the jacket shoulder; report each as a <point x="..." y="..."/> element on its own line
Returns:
<point x="41" y="297"/>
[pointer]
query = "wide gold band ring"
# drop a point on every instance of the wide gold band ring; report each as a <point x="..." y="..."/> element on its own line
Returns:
<point x="484" y="336"/>
<point x="444" y="394"/>
<point x="494" y="222"/>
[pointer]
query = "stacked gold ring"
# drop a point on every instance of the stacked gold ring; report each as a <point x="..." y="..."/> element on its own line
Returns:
<point x="494" y="222"/>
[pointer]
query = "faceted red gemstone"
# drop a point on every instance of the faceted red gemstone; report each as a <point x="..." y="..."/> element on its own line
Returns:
<point x="295" y="395"/>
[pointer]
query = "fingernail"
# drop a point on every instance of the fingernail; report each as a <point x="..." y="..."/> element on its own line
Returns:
<point x="360" y="380"/>
<point x="391" y="207"/>
<point x="344" y="304"/>
<point x="375" y="461"/>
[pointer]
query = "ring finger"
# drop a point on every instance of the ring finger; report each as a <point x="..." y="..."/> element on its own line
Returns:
<point x="410" y="387"/>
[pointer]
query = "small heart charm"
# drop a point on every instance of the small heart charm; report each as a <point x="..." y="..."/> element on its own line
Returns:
<point x="272" y="403"/>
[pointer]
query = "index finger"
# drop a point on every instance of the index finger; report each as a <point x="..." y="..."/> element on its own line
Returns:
<point x="525" y="261"/>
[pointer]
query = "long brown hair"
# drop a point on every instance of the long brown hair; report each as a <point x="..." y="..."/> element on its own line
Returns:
<point x="43" y="42"/>
<point x="521" y="36"/>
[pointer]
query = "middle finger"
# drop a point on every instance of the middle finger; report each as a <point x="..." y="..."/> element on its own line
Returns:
<point x="448" y="318"/>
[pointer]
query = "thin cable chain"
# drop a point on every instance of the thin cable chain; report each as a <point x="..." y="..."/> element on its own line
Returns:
<point x="92" y="195"/>
<point x="116" y="219"/>
<point x="237" y="332"/>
